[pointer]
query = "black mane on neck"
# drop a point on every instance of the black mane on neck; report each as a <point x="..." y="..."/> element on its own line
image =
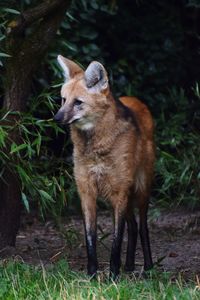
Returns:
<point x="126" y="114"/>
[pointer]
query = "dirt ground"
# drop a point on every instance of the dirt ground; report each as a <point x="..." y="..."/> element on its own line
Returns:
<point x="175" y="241"/>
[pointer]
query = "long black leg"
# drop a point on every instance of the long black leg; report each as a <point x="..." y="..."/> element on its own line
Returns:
<point x="132" y="241"/>
<point x="144" y="235"/>
<point x="115" y="259"/>
<point x="90" y="234"/>
<point x="89" y="214"/>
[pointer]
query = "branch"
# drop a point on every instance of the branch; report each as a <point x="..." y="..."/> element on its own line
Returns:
<point x="31" y="15"/>
<point x="38" y="41"/>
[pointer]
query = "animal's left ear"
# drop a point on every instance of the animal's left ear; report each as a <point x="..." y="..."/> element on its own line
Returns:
<point x="96" y="77"/>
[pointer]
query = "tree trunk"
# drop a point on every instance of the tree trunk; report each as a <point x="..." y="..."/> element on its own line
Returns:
<point x="26" y="55"/>
<point x="10" y="208"/>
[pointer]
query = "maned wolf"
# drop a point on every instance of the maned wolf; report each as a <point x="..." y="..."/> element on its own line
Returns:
<point x="113" y="158"/>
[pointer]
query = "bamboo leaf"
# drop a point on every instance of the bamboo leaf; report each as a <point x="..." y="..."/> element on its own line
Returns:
<point x="6" y="114"/>
<point x="23" y="175"/>
<point x="25" y="202"/>
<point x="2" y="54"/>
<point x="45" y="195"/>
<point x="11" y="11"/>
<point x="15" y="148"/>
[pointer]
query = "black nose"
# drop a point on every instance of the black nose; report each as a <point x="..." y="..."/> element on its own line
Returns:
<point x="59" y="117"/>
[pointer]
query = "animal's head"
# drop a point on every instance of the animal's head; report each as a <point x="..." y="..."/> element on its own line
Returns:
<point x="84" y="94"/>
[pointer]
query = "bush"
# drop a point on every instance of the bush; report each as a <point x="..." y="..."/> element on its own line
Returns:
<point x="44" y="176"/>
<point x="177" y="169"/>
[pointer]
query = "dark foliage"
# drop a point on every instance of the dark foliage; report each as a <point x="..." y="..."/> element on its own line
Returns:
<point x="151" y="50"/>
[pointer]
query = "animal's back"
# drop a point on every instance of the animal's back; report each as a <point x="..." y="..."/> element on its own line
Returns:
<point x="146" y="152"/>
<point x="142" y="114"/>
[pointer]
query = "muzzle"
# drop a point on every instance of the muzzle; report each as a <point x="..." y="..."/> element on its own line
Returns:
<point x="59" y="116"/>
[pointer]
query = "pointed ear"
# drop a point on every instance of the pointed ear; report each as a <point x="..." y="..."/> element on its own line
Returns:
<point x="96" y="77"/>
<point x="69" y="67"/>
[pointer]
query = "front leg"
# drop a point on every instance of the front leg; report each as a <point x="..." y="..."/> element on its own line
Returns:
<point x="115" y="259"/>
<point x="89" y="214"/>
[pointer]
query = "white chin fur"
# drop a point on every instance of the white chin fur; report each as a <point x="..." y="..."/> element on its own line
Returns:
<point x="84" y="125"/>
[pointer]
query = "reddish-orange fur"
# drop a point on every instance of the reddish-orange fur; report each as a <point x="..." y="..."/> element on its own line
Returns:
<point x="113" y="158"/>
<point x="143" y="115"/>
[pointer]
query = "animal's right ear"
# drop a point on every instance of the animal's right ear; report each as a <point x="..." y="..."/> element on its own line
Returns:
<point x="69" y="67"/>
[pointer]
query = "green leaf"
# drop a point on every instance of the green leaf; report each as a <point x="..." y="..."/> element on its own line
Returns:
<point x="3" y="156"/>
<point x="3" y="135"/>
<point x="57" y="85"/>
<point x="45" y="195"/>
<point x="2" y="38"/>
<point x="2" y="54"/>
<point x="37" y="142"/>
<point x="23" y="175"/>
<point x="25" y="202"/>
<point x="15" y="148"/>
<point x="11" y="11"/>
<point x="70" y="46"/>
<point x="6" y="114"/>
<point x="30" y="151"/>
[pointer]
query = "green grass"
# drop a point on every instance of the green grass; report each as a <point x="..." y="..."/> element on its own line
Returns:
<point x="21" y="281"/>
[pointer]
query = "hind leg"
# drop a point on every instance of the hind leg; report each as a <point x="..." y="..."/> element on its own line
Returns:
<point x="144" y="235"/>
<point x="132" y="229"/>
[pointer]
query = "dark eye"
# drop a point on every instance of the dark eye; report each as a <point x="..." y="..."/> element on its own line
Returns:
<point x="77" y="102"/>
<point x="63" y="101"/>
